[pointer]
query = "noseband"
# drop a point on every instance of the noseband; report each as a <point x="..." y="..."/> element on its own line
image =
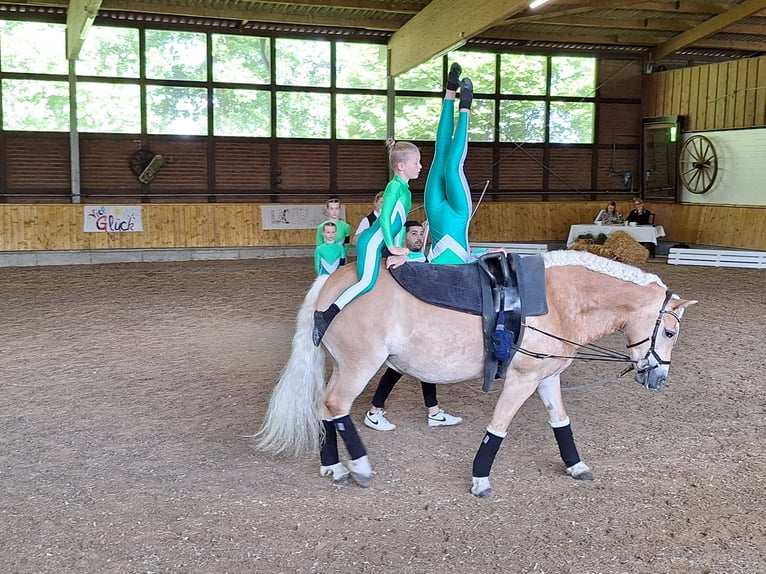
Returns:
<point x="644" y="364"/>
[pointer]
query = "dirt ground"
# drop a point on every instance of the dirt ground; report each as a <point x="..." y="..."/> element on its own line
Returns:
<point x="128" y="394"/>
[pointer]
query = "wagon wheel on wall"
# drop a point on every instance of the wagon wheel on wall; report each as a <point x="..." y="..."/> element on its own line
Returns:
<point x="698" y="164"/>
<point x="140" y="159"/>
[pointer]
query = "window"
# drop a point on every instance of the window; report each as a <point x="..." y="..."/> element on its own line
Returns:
<point x="523" y="75"/>
<point x="575" y="77"/>
<point x="108" y="108"/>
<point x="175" y="110"/>
<point x="111" y="52"/>
<point x="241" y="59"/>
<point x="243" y="113"/>
<point x="360" y="66"/>
<point x="33" y="48"/>
<point x="303" y="63"/>
<point x="35" y="105"/>
<point x="572" y="122"/>
<point x="176" y="55"/>
<point x="303" y="115"/>
<point x="522" y="121"/>
<point x="427" y="77"/>
<point x="361" y="116"/>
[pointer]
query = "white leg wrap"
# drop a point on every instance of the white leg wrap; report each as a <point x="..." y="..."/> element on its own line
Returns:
<point x="500" y="433"/>
<point x="559" y="424"/>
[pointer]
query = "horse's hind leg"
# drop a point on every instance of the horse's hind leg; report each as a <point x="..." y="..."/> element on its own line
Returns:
<point x="550" y="393"/>
<point x="346" y="384"/>
<point x="328" y="455"/>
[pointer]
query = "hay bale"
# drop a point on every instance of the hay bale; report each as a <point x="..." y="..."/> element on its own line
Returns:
<point x="626" y="249"/>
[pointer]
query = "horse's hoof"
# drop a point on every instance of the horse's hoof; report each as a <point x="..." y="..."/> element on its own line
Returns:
<point x="361" y="471"/>
<point x="488" y="493"/>
<point x="480" y="487"/>
<point x="344" y="480"/>
<point x="580" y="471"/>
<point x="587" y="475"/>
<point x="362" y="480"/>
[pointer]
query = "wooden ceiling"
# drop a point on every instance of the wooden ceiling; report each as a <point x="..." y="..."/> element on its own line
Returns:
<point x="660" y="32"/>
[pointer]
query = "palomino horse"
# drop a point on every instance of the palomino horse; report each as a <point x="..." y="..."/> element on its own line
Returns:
<point x="588" y="297"/>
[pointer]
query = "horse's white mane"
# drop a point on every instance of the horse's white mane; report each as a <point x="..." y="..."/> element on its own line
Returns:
<point x="601" y="265"/>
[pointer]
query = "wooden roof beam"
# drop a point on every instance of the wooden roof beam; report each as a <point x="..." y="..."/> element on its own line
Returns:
<point x="79" y="18"/>
<point x="709" y="27"/>
<point x="444" y="25"/>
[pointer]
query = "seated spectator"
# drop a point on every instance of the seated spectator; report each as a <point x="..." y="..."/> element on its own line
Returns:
<point x="609" y="214"/>
<point x="642" y="216"/>
<point x="639" y="214"/>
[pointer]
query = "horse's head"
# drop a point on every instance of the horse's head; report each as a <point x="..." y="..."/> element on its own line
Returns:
<point x="651" y="339"/>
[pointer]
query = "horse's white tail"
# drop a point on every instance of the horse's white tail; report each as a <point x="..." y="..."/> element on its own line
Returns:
<point x="293" y="421"/>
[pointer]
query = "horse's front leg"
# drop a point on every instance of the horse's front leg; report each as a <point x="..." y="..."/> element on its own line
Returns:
<point x="515" y="392"/>
<point x="550" y="393"/>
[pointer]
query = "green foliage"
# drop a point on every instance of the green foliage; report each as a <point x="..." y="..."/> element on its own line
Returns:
<point x="600" y="239"/>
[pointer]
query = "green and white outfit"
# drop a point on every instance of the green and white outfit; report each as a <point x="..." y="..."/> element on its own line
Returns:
<point x="387" y="230"/>
<point x="327" y="257"/>
<point x="342" y="235"/>
<point x="447" y="195"/>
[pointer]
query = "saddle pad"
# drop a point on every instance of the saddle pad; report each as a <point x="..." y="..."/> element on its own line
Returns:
<point x="455" y="287"/>
<point x="530" y="273"/>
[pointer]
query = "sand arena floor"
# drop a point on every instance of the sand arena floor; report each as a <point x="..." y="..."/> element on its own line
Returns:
<point x="128" y="393"/>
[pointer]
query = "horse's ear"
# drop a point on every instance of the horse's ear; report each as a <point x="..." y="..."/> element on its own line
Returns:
<point x="679" y="304"/>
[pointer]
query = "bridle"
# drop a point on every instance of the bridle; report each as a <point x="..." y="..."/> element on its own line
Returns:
<point x="598" y="353"/>
<point x="644" y="364"/>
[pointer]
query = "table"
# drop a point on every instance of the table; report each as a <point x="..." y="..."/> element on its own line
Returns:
<point x="641" y="233"/>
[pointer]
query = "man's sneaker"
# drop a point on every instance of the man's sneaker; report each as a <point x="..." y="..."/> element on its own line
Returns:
<point x="378" y="421"/>
<point x="442" y="419"/>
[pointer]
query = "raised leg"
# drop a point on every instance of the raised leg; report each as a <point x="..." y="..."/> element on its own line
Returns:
<point x="515" y="392"/>
<point x="550" y="393"/>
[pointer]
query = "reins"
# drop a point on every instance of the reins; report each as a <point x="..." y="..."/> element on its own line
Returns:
<point x="599" y="353"/>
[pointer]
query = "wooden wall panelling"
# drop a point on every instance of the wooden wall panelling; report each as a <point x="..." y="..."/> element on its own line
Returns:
<point x="692" y="113"/>
<point x="362" y="168"/>
<point x="750" y="92"/>
<point x="721" y="98"/>
<point x="242" y="166"/>
<point x="712" y="90"/>
<point x="304" y="167"/>
<point x="731" y="93"/>
<point x="697" y="121"/>
<point x="570" y="168"/>
<point x="520" y="167"/>
<point x="740" y="93"/>
<point x="760" y="94"/>
<point x="56" y="227"/>
<point x="659" y="109"/>
<point x="686" y="91"/>
<point x="649" y="96"/>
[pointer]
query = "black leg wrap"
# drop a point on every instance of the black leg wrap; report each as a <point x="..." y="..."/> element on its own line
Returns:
<point x="328" y="454"/>
<point x="322" y="320"/>
<point x="385" y="386"/>
<point x="350" y="436"/>
<point x="567" y="447"/>
<point x="482" y="462"/>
